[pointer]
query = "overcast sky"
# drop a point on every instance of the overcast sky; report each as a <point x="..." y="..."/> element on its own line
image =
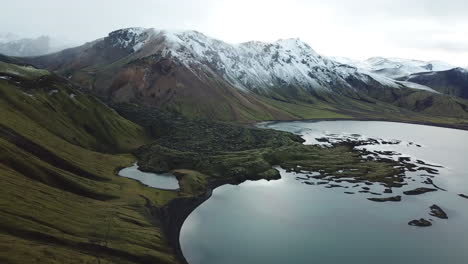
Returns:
<point x="419" y="29"/>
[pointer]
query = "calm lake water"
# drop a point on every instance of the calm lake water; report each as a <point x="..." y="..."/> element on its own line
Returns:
<point x="286" y="221"/>
<point x="163" y="181"/>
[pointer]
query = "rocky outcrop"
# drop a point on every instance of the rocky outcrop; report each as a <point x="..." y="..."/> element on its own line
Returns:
<point x="438" y="212"/>
<point x="421" y="222"/>
<point x="420" y="190"/>
<point x="386" y="199"/>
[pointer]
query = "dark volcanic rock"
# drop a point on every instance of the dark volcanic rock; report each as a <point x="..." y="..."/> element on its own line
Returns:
<point x="420" y="190"/>
<point x="431" y="182"/>
<point x="404" y="159"/>
<point x="386" y="199"/>
<point x="463" y="195"/>
<point x="428" y="170"/>
<point x="301" y="178"/>
<point x="421" y="222"/>
<point x="309" y="183"/>
<point x="438" y="212"/>
<point x="427" y="164"/>
<point x="333" y="186"/>
<point x="349" y="192"/>
<point x="388" y="190"/>
<point x="319" y="176"/>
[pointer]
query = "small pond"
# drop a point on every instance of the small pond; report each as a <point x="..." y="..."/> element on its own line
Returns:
<point x="164" y="181"/>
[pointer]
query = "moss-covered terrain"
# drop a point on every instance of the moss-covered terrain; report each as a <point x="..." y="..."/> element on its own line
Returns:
<point x="61" y="201"/>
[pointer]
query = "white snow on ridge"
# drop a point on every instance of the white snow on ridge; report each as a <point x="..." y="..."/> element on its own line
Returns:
<point x="396" y="67"/>
<point x="252" y="65"/>
<point x="134" y="37"/>
<point x="417" y="86"/>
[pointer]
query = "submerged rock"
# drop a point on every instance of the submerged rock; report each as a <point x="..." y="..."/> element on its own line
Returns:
<point x="438" y="212"/>
<point x="428" y="170"/>
<point x="421" y="222"/>
<point x="301" y="178"/>
<point x="388" y="190"/>
<point x="333" y="186"/>
<point x="386" y="199"/>
<point x="420" y="190"/>
<point x="427" y="164"/>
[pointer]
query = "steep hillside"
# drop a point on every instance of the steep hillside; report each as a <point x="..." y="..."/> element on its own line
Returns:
<point x="61" y="108"/>
<point x="61" y="201"/>
<point x="452" y="82"/>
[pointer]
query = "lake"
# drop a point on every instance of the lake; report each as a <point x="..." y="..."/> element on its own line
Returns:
<point x="164" y="181"/>
<point x="286" y="221"/>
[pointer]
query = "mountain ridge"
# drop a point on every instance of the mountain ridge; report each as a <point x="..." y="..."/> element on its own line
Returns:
<point x="395" y="68"/>
<point x="453" y="82"/>
<point x="198" y="76"/>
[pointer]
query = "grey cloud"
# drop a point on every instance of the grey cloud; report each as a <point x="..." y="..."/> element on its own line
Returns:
<point x="403" y="23"/>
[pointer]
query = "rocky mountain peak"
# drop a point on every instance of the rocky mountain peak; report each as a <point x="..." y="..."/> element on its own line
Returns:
<point x="129" y="38"/>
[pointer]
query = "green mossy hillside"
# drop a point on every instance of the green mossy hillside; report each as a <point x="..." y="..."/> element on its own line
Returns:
<point x="61" y="200"/>
<point x="56" y="105"/>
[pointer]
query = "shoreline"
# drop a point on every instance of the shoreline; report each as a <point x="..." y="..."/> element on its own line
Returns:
<point x="174" y="214"/>
<point x="463" y="127"/>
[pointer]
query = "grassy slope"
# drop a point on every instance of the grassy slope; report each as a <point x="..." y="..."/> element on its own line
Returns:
<point x="65" y="111"/>
<point x="49" y="213"/>
<point x="63" y="203"/>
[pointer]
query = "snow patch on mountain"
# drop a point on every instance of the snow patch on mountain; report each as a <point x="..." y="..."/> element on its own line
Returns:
<point x="251" y="65"/>
<point x="130" y="38"/>
<point x="395" y="67"/>
<point x="417" y="86"/>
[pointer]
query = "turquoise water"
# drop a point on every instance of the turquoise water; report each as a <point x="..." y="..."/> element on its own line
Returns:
<point x="163" y="181"/>
<point x="286" y="221"/>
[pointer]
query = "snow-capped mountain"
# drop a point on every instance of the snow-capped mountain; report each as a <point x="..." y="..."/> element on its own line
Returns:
<point x="8" y="37"/>
<point x="26" y="47"/>
<point x="14" y="45"/>
<point x="190" y="72"/>
<point x="248" y="66"/>
<point x="395" y="67"/>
